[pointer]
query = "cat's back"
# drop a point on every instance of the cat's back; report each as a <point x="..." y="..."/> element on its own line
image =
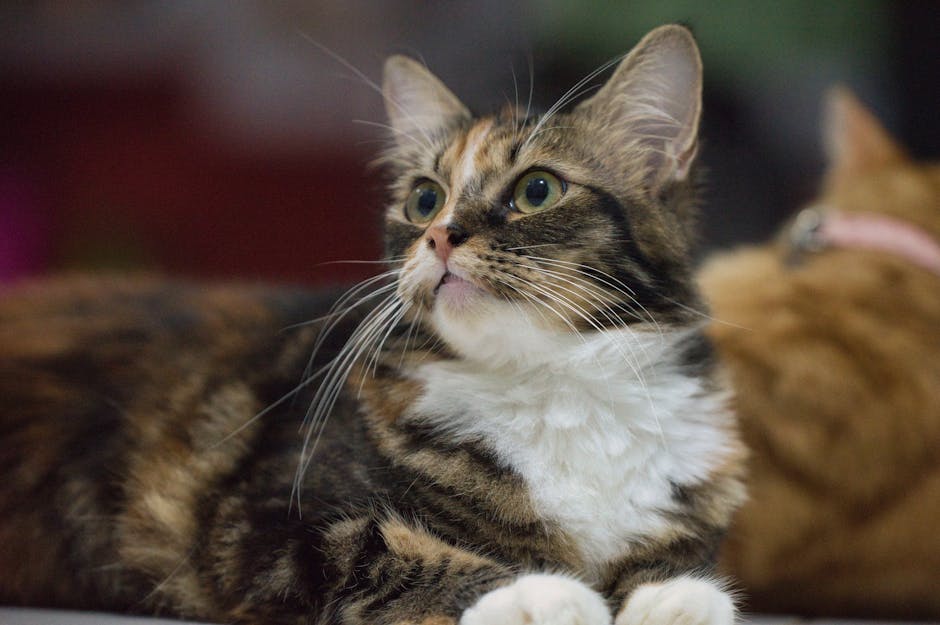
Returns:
<point x="116" y="395"/>
<point x="118" y="341"/>
<point x="55" y="315"/>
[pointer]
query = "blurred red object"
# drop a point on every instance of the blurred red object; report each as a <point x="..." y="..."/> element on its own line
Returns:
<point x="24" y="244"/>
<point x="131" y="181"/>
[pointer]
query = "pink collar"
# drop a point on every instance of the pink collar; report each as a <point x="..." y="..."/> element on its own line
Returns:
<point x="816" y="228"/>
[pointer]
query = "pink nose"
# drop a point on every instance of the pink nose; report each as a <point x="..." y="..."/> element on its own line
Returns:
<point x="443" y="239"/>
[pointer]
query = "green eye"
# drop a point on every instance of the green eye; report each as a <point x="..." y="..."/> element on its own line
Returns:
<point x="536" y="191"/>
<point x="425" y="201"/>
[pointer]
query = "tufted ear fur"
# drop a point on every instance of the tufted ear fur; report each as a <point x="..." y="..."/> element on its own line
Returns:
<point x="652" y="104"/>
<point x="417" y="102"/>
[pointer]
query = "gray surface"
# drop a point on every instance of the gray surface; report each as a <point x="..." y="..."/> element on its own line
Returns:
<point x="21" y="616"/>
<point x="795" y="620"/>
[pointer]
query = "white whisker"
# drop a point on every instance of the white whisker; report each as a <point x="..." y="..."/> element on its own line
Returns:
<point x="603" y="277"/>
<point x="539" y="303"/>
<point x="370" y="83"/>
<point x="569" y="95"/>
<point x="706" y="316"/>
<point x="398" y="132"/>
<point x="552" y="293"/>
<point x="529" y="247"/>
<point x="380" y="322"/>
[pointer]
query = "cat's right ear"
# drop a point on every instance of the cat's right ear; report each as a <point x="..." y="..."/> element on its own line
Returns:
<point x="417" y="102"/>
<point x="650" y="107"/>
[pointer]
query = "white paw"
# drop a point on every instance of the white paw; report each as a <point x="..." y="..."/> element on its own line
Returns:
<point x="682" y="601"/>
<point x="539" y="600"/>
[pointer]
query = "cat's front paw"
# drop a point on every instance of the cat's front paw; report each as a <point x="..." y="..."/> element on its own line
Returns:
<point x="681" y="601"/>
<point x="539" y="600"/>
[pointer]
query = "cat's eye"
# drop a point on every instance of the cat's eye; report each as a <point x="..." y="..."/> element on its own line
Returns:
<point x="424" y="202"/>
<point x="536" y="191"/>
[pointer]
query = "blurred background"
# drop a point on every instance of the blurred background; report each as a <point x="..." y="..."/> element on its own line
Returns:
<point x="215" y="140"/>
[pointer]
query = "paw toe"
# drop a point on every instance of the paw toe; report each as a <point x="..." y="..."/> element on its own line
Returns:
<point x="683" y="601"/>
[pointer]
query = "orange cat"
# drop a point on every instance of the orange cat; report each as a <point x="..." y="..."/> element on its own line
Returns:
<point x="832" y="338"/>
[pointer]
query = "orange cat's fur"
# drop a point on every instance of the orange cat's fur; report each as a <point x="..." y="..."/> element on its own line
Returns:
<point x="836" y="364"/>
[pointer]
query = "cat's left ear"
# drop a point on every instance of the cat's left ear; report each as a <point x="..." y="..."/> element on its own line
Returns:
<point x="417" y="102"/>
<point x="855" y="141"/>
<point x="650" y="107"/>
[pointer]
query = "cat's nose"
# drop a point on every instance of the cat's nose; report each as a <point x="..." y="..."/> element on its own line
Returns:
<point x="443" y="239"/>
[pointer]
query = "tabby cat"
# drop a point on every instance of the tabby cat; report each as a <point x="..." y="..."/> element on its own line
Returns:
<point x="832" y="337"/>
<point x="519" y="422"/>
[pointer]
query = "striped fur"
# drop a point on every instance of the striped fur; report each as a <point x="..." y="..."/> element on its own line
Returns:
<point x="521" y="424"/>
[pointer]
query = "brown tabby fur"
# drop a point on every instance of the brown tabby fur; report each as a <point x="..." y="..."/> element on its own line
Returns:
<point x="149" y="430"/>
<point x="836" y="366"/>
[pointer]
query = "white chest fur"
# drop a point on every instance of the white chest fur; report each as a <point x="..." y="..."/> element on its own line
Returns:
<point x="600" y="433"/>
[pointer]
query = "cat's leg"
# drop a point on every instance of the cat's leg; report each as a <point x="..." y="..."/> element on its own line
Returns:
<point x="539" y="599"/>
<point x="405" y="575"/>
<point x="669" y="584"/>
<point x="354" y="570"/>
<point x="374" y="570"/>
<point x="391" y="572"/>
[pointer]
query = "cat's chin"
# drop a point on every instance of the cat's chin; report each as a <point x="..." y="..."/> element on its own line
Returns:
<point x="484" y="328"/>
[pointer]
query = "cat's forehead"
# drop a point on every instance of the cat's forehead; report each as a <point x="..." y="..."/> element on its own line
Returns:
<point x="480" y="147"/>
<point x="487" y="146"/>
<point x="494" y="146"/>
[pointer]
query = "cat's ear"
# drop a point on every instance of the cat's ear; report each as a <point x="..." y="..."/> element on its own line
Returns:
<point x="854" y="140"/>
<point x="416" y="101"/>
<point x="653" y="103"/>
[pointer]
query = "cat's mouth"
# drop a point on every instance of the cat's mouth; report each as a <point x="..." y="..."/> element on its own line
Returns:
<point x="452" y="279"/>
<point x="455" y="287"/>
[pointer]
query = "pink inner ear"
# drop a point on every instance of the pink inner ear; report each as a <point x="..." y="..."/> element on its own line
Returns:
<point x="684" y="161"/>
<point x="417" y="102"/>
<point x="855" y="140"/>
